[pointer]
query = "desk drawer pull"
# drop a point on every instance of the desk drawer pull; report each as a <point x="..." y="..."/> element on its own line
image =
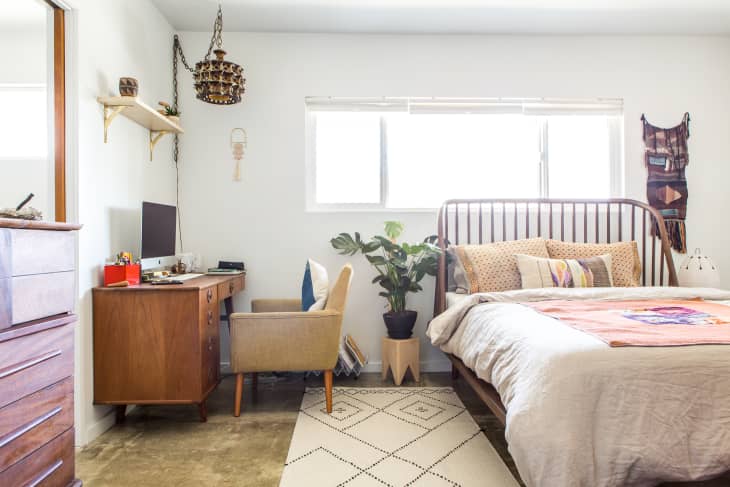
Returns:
<point x="230" y="287"/>
<point x="45" y="474"/>
<point x="18" y="432"/>
<point x="14" y="369"/>
<point x="210" y="295"/>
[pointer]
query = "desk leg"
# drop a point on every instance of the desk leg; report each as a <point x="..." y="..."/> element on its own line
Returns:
<point x="228" y="303"/>
<point x="203" y="412"/>
<point x="121" y="413"/>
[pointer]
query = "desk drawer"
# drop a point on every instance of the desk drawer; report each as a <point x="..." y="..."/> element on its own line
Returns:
<point x="211" y="362"/>
<point x="233" y="286"/>
<point x="32" y="362"/>
<point x="33" y="421"/>
<point x="50" y="466"/>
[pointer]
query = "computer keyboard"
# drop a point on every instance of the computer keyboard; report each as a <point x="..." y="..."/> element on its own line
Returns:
<point x="185" y="277"/>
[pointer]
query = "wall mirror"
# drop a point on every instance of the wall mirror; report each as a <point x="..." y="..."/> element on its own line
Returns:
<point x="32" y="97"/>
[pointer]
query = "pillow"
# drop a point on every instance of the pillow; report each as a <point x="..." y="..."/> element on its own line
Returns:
<point x="315" y="287"/>
<point x="493" y="267"/>
<point x="589" y="272"/>
<point x="457" y="281"/>
<point x="625" y="261"/>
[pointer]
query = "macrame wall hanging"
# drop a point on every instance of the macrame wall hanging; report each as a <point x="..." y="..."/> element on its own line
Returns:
<point x="239" y="141"/>
<point x="666" y="156"/>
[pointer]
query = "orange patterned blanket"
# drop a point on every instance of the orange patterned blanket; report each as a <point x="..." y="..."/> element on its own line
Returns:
<point x="645" y="323"/>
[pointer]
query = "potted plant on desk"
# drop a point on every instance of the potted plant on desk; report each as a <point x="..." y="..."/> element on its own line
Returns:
<point x="401" y="267"/>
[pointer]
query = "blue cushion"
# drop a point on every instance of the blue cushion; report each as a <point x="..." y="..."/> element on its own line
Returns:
<point x="315" y="287"/>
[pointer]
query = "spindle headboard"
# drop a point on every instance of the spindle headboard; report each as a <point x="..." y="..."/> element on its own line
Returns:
<point x="478" y="221"/>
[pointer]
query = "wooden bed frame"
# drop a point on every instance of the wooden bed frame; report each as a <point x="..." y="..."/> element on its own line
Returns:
<point x="478" y="221"/>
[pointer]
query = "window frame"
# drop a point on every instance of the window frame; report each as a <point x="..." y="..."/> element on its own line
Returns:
<point x="616" y="158"/>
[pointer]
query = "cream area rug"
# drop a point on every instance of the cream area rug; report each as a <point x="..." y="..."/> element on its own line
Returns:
<point x="397" y="436"/>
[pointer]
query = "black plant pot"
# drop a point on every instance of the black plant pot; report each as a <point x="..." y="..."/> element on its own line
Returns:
<point x="400" y="324"/>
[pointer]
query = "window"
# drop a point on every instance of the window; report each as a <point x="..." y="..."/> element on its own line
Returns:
<point x="25" y="134"/>
<point x="415" y="154"/>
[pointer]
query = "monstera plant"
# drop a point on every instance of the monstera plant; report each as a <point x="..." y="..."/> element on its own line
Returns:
<point x="401" y="268"/>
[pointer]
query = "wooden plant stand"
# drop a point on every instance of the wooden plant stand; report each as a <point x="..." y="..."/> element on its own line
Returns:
<point x="399" y="355"/>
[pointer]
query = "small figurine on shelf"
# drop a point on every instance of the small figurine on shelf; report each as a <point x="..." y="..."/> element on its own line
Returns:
<point x="128" y="86"/>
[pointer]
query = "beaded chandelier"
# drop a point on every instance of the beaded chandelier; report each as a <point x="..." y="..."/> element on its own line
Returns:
<point x="217" y="81"/>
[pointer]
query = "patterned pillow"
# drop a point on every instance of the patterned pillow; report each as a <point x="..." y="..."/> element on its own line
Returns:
<point x="493" y="267"/>
<point x="456" y="275"/>
<point x="537" y="272"/>
<point x="625" y="261"/>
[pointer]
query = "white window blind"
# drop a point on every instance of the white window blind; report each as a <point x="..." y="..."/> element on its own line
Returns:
<point x="414" y="153"/>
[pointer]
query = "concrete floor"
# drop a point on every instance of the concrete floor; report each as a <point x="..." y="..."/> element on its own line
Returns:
<point x="168" y="446"/>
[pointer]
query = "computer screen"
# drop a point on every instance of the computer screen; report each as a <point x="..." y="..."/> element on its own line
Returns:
<point x="158" y="230"/>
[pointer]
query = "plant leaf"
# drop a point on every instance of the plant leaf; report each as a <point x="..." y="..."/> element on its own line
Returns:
<point x="393" y="229"/>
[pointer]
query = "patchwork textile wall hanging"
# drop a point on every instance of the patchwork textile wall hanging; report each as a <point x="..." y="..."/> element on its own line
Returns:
<point x="666" y="156"/>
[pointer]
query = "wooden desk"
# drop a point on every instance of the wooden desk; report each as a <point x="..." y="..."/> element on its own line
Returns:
<point x="160" y="344"/>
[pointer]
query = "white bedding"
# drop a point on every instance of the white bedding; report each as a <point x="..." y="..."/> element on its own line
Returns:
<point x="580" y="413"/>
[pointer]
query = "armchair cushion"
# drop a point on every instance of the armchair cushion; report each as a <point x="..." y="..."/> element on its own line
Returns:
<point x="290" y="341"/>
<point x="269" y="305"/>
<point x="315" y="287"/>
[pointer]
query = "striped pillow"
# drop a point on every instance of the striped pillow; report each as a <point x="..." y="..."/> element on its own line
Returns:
<point x="537" y="272"/>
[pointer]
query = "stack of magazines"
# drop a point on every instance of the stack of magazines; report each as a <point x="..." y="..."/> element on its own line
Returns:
<point x="351" y="359"/>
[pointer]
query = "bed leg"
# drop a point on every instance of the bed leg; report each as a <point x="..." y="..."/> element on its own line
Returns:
<point x="454" y="372"/>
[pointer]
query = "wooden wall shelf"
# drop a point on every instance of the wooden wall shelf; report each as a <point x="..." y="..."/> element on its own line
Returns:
<point x="137" y="111"/>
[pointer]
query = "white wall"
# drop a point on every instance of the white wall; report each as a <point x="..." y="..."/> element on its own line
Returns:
<point x="114" y="39"/>
<point x="262" y="219"/>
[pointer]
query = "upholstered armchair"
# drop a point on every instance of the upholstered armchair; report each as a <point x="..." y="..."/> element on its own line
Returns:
<point x="278" y="336"/>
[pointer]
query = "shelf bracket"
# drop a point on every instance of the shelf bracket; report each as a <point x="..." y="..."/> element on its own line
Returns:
<point x="155" y="136"/>
<point x="110" y="111"/>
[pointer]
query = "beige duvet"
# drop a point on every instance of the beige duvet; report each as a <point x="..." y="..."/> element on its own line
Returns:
<point x="580" y="413"/>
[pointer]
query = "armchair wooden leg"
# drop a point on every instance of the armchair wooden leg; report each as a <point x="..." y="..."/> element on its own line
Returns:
<point x="239" y="392"/>
<point x="328" y="389"/>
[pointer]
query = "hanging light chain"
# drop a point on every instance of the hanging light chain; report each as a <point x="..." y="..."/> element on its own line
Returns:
<point x="177" y="49"/>
<point x="217" y="38"/>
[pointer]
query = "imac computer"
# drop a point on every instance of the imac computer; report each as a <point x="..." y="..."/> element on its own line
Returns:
<point x="158" y="236"/>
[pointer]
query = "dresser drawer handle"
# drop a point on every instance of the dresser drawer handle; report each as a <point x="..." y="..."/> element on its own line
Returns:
<point x="210" y="295"/>
<point x="18" y="432"/>
<point x="44" y="475"/>
<point x="14" y="369"/>
<point x="210" y="317"/>
<point x="230" y="287"/>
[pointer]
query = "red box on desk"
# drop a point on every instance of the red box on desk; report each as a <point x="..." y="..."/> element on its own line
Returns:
<point x="118" y="273"/>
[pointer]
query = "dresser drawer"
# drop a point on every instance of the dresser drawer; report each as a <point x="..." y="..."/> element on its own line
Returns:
<point x="32" y="362"/>
<point x="25" y="252"/>
<point x="33" y="421"/>
<point x="50" y="466"/>
<point x="36" y="296"/>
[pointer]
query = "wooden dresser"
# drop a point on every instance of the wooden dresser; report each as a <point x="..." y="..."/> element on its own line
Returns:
<point x="160" y="344"/>
<point x="37" y="295"/>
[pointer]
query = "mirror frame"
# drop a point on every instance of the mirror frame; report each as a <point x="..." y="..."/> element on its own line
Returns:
<point x="59" y="110"/>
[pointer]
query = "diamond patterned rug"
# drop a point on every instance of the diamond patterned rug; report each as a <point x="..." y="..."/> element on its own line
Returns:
<point x="404" y="436"/>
